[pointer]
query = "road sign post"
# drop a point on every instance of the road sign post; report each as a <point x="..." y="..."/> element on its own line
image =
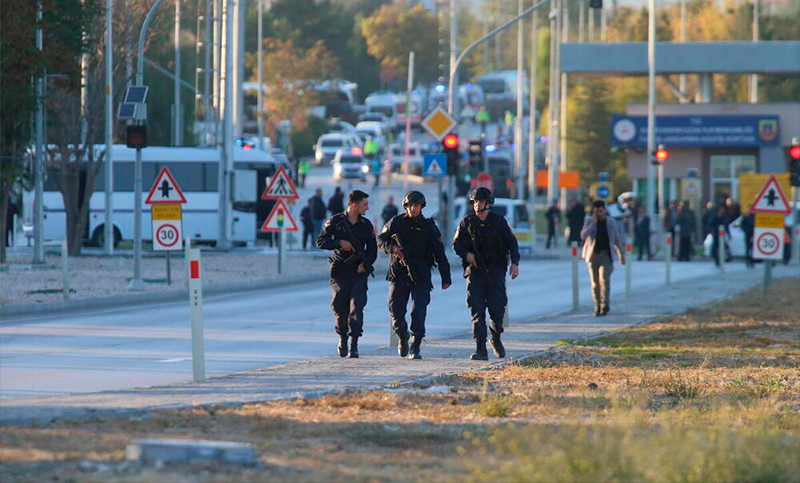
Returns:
<point x="721" y="247"/>
<point x="628" y="266"/>
<point x="770" y="207"/>
<point x="64" y="267"/>
<point x="196" y="308"/>
<point x="280" y="218"/>
<point x="166" y="216"/>
<point x="575" y="286"/>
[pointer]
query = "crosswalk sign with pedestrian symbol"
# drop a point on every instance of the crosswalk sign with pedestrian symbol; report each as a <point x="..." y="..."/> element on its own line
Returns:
<point x="281" y="187"/>
<point x="165" y="191"/>
<point x="434" y="165"/>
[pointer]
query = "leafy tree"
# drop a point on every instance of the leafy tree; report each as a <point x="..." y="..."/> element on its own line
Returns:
<point x="397" y="29"/>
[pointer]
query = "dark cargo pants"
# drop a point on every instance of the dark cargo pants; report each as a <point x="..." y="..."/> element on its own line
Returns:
<point x="399" y="292"/>
<point x="487" y="290"/>
<point x="349" y="299"/>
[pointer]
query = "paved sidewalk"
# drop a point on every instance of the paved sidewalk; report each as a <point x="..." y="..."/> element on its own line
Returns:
<point x="382" y="366"/>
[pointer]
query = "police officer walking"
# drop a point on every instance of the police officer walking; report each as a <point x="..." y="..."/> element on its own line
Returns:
<point x="485" y="243"/>
<point x="352" y="238"/>
<point x="415" y="244"/>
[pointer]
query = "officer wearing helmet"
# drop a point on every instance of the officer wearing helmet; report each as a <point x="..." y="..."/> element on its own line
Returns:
<point x="485" y="243"/>
<point x="415" y="245"/>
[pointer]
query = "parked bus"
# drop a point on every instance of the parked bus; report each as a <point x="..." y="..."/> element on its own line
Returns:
<point x="196" y="172"/>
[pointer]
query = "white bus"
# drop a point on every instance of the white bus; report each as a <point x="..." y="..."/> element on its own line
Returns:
<point x="196" y="172"/>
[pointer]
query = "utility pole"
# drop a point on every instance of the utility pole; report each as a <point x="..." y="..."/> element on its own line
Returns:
<point x="453" y="109"/>
<point x="562" y="111"/>
<point x="756" y="35"/>
<point x="38" y="212"/>
<point x="520" y="90"/>
<point x="108" y="161"/>
<point x="176" y="111"/>
<point x="259" y="101"/>
<point x="551" y="159"/>
<point x="651" y="112"/>
<point x="682" y="79"/>
<point x="226" y="154"/>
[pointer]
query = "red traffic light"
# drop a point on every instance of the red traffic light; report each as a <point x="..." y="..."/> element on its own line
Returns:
<point x="662" y="155"/>
<point x="795" y="152"/>
<point x="450" y="141"/>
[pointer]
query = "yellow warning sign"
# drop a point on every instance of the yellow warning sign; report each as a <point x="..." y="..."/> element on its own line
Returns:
<point x="438" y="123"/>
<point x="769" y="220"/>
<point x="166" y="212"/>
<point x="750" y="185"/>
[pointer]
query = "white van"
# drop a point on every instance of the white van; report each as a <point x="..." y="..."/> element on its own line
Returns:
<point x="327" y="145"/>
<point x="516" y="213"/>
<point x="384" y="104"/>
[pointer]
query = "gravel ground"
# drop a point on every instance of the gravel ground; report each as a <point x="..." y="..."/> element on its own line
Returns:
<point x="96" y="275"/>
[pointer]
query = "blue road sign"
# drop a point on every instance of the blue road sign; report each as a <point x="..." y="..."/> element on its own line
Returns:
<point x="434" y="165"/>
<point x="603" y="192"/>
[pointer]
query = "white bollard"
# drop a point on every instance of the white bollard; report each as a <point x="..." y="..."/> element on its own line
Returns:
<point x="575" y="288"/>
<point x="64" y="267"/>
<point x="721" y="247"/>
<point x="668" y="259"/>
<point x="196" y="309"/>
<point x="628" y="266"/>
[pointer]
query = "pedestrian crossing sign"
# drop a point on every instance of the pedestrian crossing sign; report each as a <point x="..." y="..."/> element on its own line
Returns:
<point x="434" y="165"/>
<point x="165" y="191"/>
<point x="280" y="218"/>
<point x="280" y="187"/>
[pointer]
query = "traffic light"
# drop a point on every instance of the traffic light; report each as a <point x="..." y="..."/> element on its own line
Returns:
<point x="661" y="154"/>
<point x="794" y="168"/>
<point x="450" y="145"/>
<point x="476" y="153"/>
<point x="595" y="3"/>
<point x="136" y="136"/>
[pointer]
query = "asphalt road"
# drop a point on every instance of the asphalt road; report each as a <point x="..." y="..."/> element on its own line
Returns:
<point x="150" y="344"/>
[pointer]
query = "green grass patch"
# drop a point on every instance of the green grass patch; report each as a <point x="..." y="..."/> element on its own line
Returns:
<point x="645" y="352"/>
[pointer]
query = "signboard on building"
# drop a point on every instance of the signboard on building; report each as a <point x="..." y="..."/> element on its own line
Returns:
<point x="723" y="131"/>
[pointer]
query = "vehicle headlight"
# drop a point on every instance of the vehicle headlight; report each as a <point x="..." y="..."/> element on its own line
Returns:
<point x="365" y="168"/>
<point x="337" y="169"/>
<point x="318" y="155"/>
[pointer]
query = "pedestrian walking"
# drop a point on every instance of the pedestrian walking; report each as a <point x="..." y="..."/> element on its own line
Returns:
<point x="302" y="172"/>
<point x="485" y="244"/>
<point x="318" y="211"/>
<point x="351" y="237"/>
<point x="308" y="225"/>
<point x="482" y="118"/>
<point x="749" y="228"/>
<point x="336" y="201"/>
<point x="732" y="211"/>
<point x="707" y="219"/>
<point x="575" y="217"/>
<point x="389" y="211"/>
<point x="687" y="225"/>
<point x="641" y="233"/>
<point x="601" y="245"/>
<point x="719" y="220"/>
<point x="415" y="244"/>
<point x="553" y="215"/>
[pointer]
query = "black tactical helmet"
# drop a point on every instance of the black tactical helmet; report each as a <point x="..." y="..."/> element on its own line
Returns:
<point x="481" y="194"/>
<point x="414" y="197"/>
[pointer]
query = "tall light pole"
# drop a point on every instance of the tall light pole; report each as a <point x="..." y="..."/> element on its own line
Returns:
<point x="756" y="35"/>
<point x="562" y="110"/>
<point x="453" y="109"/>
<point x="682" y="78"/>
<point x="226" y="154"/>
<point x="651" y="111"/>
<point x="532" y="114"/>
<point x="176" y="120"/>
<point x="520" y="89"/>
<point x="108" y="161"/>
<point x="38" y="212"/>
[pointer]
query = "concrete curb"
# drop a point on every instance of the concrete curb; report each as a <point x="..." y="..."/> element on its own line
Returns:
<point x="96" y="303"/>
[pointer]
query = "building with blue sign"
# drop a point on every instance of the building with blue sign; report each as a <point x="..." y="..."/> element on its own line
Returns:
<point x="709" y="145"/>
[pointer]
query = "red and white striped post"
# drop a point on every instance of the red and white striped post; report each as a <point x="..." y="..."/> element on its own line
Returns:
<point x="668" y="259"/>
<point x="196" y="309"/>
<point x="575" y="292"/>
<point x="628" y="264"/>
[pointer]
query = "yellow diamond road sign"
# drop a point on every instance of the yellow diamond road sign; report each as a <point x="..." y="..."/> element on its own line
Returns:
<point x="438" y="123"/>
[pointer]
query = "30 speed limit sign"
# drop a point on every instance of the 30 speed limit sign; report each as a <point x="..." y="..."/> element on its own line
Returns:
<point x="167" y="227"/>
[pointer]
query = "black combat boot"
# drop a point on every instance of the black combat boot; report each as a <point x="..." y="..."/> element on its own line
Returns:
<point x="497" y="346"/>
<point x="598" y="311"/>
<point x="354" y="348"/>
<point x="415" y="343"/>
<point x="402" y="347"/>
<point x="480" y="353"/>
<point x="604" y="310"/>
<point x="342" y="346"/>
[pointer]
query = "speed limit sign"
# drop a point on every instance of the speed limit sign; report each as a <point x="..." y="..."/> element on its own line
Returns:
<point x="167" y="227"/>
<point x="768" y="243"/>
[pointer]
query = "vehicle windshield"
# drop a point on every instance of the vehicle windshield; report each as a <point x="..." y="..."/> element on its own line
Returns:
<point x="385" y="110"/>
<point x="493" y="86"/>
<point x="332" y="143"/>
<point x="350" y="159"/>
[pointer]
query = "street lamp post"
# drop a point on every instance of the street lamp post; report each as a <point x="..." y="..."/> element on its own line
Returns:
<point x="108" y="228"/>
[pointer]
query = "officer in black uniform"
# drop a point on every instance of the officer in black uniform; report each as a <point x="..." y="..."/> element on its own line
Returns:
<point x="415" y="244"/>
<point x="485" y="243"/>
<point x="352" y="238"/>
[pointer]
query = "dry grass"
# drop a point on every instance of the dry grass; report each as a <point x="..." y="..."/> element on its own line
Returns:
<point x="713" y="395"/>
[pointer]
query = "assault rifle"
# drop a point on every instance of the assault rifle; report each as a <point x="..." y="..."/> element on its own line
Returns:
<point x="404" y="262"/>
